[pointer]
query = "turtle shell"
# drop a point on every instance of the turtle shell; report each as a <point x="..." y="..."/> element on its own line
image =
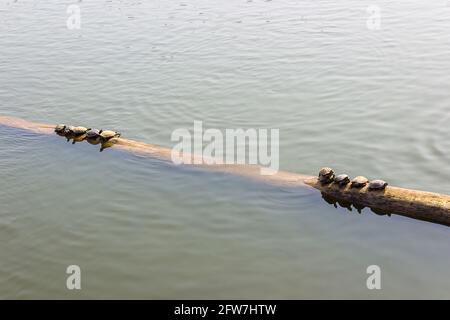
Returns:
<point x="69" y="129"/>
<point x="109" y="134"/>
<point x="377" y="184"/>
<point x="92" y="133"/>
<point x="342" y="179"/>
<point x="79" y="130"/>
<point x="359" y="181"/>
<point x="326" y="172"/>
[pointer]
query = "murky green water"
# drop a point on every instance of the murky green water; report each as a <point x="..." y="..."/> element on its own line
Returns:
<point x="372" y="102"/>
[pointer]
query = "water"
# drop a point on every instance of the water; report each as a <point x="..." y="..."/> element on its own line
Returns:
<point x="372" y="102"/>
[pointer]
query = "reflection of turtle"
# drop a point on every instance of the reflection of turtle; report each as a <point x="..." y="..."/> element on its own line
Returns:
<point x="342" y="179"/>
<point x="345" y="204"/>
<point x="93" y="141"/>
<point x="359" y="182"/>
<point x="380" y="212"/>
<point x="358" y="207"/>
<point x="377" y="185"/>
<point x="108" y="144"/>
<point x="78" y="138"/>
<point x="329" y="199"/>
<point x="326" y="175"/>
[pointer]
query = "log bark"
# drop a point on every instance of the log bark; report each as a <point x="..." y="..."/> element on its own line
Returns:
<point x="422" y="205"/>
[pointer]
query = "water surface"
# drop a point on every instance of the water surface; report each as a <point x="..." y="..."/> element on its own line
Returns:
<point x="372" y="102"/>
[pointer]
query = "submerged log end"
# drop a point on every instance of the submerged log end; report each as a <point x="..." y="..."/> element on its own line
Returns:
<point x="428" y="206"/>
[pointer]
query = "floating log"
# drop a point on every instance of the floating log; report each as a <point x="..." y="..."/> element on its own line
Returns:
<point x="422" y="205"/>
<point x="428" y="206"/>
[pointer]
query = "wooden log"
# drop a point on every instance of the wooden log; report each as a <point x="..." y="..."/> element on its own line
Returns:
<point x="428" y="206"/>
<point x="281" y="178"/>
<point x="422" y="205"/>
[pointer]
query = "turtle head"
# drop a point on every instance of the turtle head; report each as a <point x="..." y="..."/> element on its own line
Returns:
<point x="60" y="128"/>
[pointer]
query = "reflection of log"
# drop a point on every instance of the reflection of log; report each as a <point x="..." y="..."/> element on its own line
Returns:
<point x="421" y="205"/>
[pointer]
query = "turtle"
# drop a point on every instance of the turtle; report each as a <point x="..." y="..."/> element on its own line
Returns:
<point x="359" y="182"/>
<point x="79" y="131"/>
<point x="78" y="134"/>
<point x="342" y="179"/>
<point x="107" y="135"/>
<point x="68" y="132"/>
<point x="60" y="128"/>
<point x="377" y="184"/>
<point x="93" y="134"/>
<point x="68" y="129"/>
<point x="326" y="175"/>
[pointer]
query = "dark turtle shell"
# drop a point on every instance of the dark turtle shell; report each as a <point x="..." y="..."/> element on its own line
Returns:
<point x="326" y="172"/>
<point x="377" y="184"/>
<point x="92" y="133"/>
<point x="359" y="182"/>
<point x="342" y="179"/>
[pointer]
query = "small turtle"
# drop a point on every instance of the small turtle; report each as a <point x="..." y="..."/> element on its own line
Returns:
<point x="107" y="135"/>
<point x="68" y="129"/>
<point x="326" y="175"/>
<point x="79" y="131"/>
<point x="68" y="132"/>
<point x="342" y="179"/>
<point x="377" y="185"/>
<point x="93" y="134"/>
<point x="359" y="182"/>
<point x="60" y="128"/>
